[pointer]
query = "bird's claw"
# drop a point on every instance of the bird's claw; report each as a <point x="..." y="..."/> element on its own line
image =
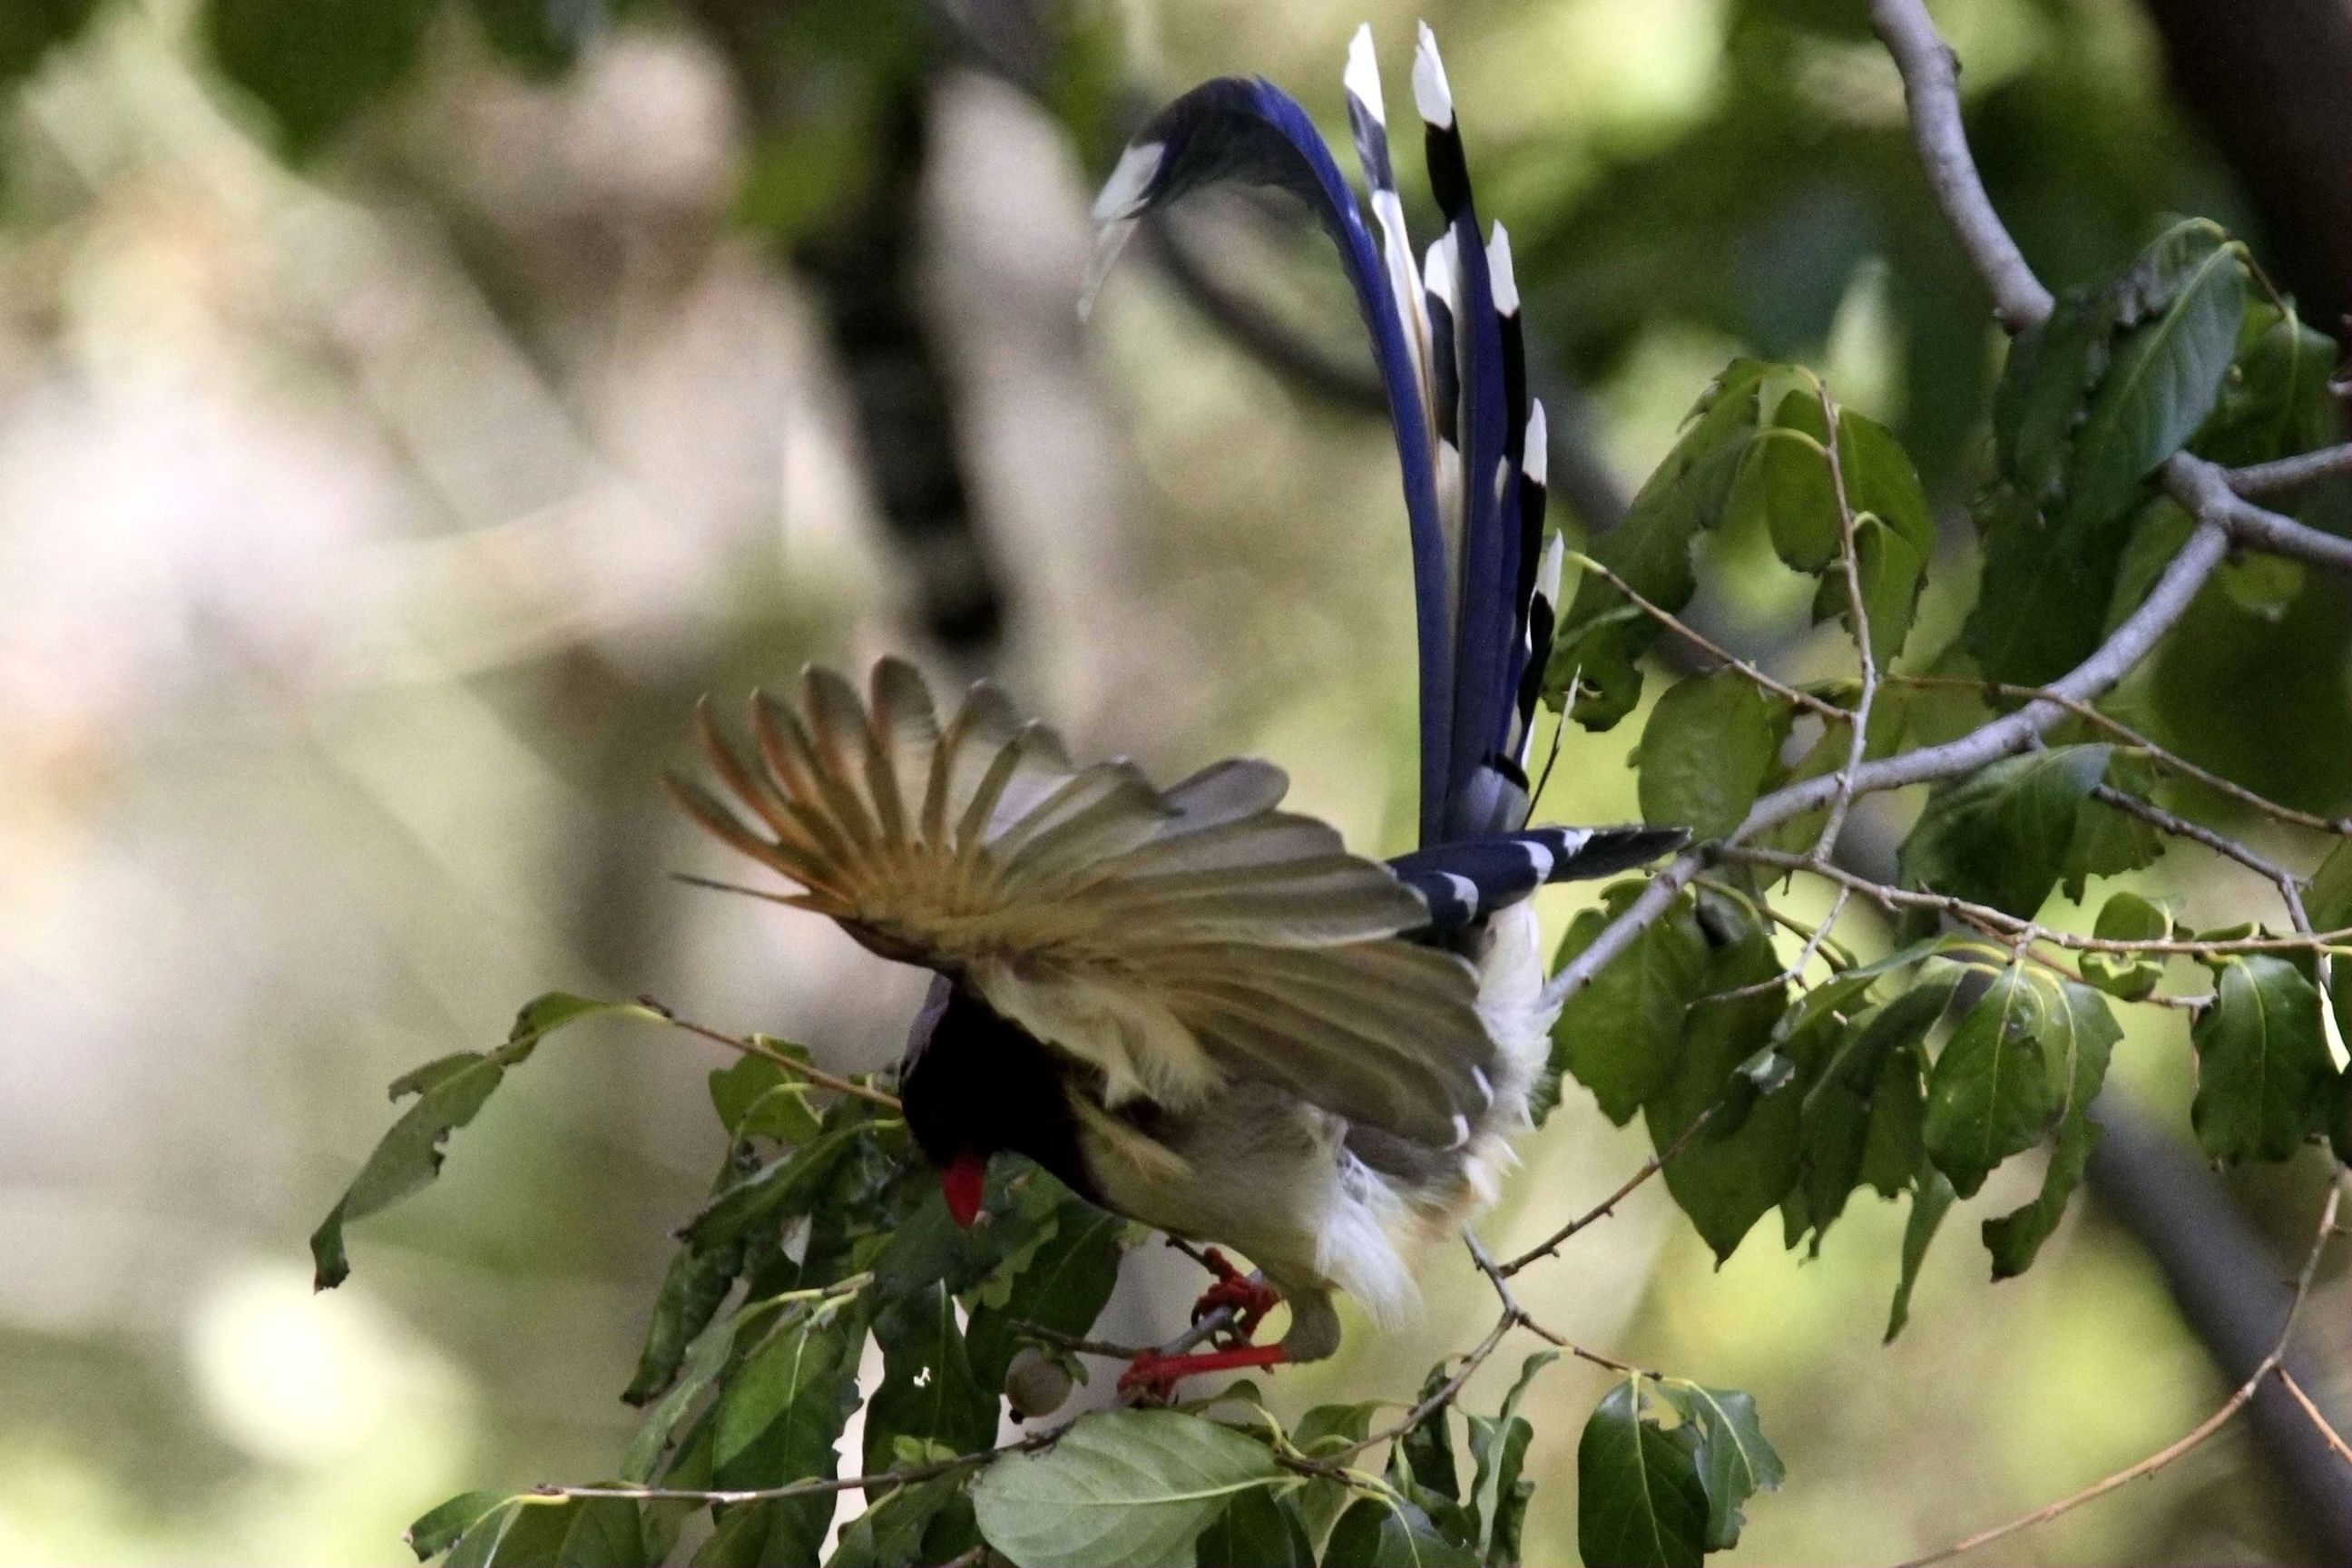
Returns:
<point x="1249" y="1296"/>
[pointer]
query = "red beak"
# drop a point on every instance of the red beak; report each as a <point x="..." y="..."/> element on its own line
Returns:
<point x="963" y="1183"/>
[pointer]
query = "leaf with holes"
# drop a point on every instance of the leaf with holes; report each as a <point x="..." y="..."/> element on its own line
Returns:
<point x="928" y="1391"/>
<point x="2278" y="403"/>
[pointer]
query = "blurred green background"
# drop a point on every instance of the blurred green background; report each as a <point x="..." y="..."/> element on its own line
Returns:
<point x="407" y="407"/>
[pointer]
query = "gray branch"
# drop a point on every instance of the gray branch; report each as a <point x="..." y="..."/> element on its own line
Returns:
<point x="2259" y="479"/>
<point x="1931" y="87"/>
<point x="2005" y="736"/>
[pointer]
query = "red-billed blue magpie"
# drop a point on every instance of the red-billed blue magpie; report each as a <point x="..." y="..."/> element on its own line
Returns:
<point x="1191" y="1006"/>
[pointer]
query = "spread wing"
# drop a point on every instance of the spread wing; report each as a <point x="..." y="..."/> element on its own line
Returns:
<point x="1173" y="939"/>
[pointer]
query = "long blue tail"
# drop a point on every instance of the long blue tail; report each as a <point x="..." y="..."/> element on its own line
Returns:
<point x="1446" y="339"/>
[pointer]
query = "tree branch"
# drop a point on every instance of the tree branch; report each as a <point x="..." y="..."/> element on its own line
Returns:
<point x="2125" y="648"/>
<point x="1931" y="87"/>
<point x="2188" y="1440"/>
<point x="2259" y="479"/>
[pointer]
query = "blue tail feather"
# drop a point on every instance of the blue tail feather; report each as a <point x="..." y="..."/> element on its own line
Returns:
<point x="1454" y="366"/>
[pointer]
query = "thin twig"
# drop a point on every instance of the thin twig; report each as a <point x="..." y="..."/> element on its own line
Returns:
<point x="2188" y="1440"/>
<point x="2164" y="821"/>
<point x="1850" y="560"/>
<point x="752" y="1047"/>
<point x="1700" y="639"/>
<point x="2327" y="1432"/>
<point x="2010" y="928"/>
<point x="2157" y="753"/>
<point x="1607" y="1206"/>
<point x="2128" y="644"/>
<point x="813" y="1486"/>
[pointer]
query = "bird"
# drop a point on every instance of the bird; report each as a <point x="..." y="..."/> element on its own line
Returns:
<point x="1191" y="1006"/>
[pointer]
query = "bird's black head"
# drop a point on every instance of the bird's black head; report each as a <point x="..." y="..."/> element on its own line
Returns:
<point x="972" y="1084"/>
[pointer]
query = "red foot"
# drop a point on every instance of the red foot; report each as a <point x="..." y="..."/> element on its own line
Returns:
<point x="1156" y="1375"/>
<point x="1249" y="1296"/>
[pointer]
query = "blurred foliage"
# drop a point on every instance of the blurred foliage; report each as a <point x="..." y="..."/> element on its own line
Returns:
<point x="1754" y="220"/>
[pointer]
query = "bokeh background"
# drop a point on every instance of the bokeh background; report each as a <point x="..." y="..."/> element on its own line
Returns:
<point x="407" y="407"/>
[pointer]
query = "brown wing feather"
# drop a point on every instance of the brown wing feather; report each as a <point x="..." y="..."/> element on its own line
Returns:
<point x="1172" y="938"/>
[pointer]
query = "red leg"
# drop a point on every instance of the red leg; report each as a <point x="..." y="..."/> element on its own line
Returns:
<point x="1158" y="1374"/>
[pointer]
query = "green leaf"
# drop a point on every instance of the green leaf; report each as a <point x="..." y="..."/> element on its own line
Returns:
<point x="29" y="29"/>
<point x="1257" y="1530"/>
<point x="439" y="1528"/>
<point x="691" y="1291"/>
<point x="2329" y="905"/>
<point x="2043" y="600"/>
<point x="2083" y="1036"/>
<point x="607" y="1532"/>
<point x="2045" y="383"/>
<point x="1379" y="1533"/>
<point x="1622" y="1035"/>
<point x="1123" y="1488"/>
<point x="705" y="1358"/>
<point x="2262" y="1060"/>
<point x="1641" y="1502"/>
<point x="2109" y="841"/>
<point x="2167" y="372"/>
<point x="1990" y="1093"/>
<point x="753" y="1096"/>
<point x="1428" y="1448"/>
<point x="1323" y="1431"/>
<point x="1931" y="1200"/>
<point x="2278" y="402"/>
<point x="1896" y="1140"/>
<point x="1843" y="1116"/>
<point x="1895" y="533"/>
<point x="449" y="1092"/>
<point x="892" y="1533"/>
<point x="781" y="1416"/>
<point x="1498" y="1447"/>
<point x="928" y="1391"/>
<point x="1734" y="1459"/>
<point x="2128" y="917"/>
<point x="1710" y="745"/>
<point x="1063" y="1288"/>
<point x="1731" y="1174"/>
<point x="313" y="64"/>
<point x="1603" y="631"/>
<point x="1785" y="476"/>
<point x="2001" y="836"/>
<point x="784" y="1187"/>
<point x="531" y="1534"/>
